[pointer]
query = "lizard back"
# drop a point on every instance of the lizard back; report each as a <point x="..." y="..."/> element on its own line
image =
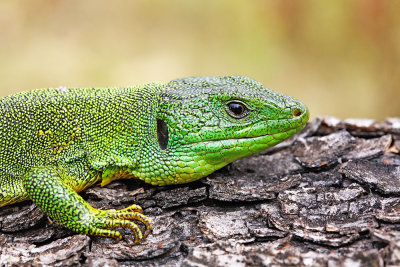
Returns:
<point x="65" y="126"/>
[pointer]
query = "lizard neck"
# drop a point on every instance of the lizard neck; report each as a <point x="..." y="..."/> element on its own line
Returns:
<point x="127" y="127"/>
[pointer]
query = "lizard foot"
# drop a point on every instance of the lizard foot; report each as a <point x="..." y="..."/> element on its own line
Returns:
<point x="121" y="218"/>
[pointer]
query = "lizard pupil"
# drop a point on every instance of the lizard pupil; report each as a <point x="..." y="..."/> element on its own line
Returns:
<point x="162" y="134"/>
<point x="237" y="109"/>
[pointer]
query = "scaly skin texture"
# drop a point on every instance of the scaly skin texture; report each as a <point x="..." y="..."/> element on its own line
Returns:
<point x="57" y="142"/>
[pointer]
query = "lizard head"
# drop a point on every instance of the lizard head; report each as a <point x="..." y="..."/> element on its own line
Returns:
<point x="206" y="123"/>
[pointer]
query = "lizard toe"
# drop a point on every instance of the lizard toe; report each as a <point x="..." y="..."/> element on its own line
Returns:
<point x="109" y="223"/>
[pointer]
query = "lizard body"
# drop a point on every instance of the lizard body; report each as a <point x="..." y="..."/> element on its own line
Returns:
<point x="57" y="142"/>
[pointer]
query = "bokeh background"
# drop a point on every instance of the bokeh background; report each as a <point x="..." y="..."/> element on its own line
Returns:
<point x="341" y="57"/>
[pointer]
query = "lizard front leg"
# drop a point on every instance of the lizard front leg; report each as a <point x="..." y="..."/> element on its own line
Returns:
<point x="47" y="189"/>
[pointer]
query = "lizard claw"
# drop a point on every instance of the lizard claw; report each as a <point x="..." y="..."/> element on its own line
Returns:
<point x="122" y="218"/>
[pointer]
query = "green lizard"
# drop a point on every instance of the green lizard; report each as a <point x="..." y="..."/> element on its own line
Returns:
<point x="57" y="142"/>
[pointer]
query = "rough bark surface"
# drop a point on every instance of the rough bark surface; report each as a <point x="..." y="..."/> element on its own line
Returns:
<point x="330" y="196"/>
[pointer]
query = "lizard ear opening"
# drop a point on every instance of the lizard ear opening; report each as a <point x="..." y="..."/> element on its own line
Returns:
<point x="162" y="134"/>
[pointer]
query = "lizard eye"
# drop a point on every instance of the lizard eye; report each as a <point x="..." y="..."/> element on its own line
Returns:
<point x="237" y="110"/>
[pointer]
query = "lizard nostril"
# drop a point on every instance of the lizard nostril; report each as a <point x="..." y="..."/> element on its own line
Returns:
<point x="297" y="112"/>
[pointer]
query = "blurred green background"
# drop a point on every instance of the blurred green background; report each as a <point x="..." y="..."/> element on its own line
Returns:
<point x="340" y="57"/>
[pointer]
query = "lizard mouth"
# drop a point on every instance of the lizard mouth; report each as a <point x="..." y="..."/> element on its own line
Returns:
<point x="279" y="136"/>
<point x="225" y="151"/>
